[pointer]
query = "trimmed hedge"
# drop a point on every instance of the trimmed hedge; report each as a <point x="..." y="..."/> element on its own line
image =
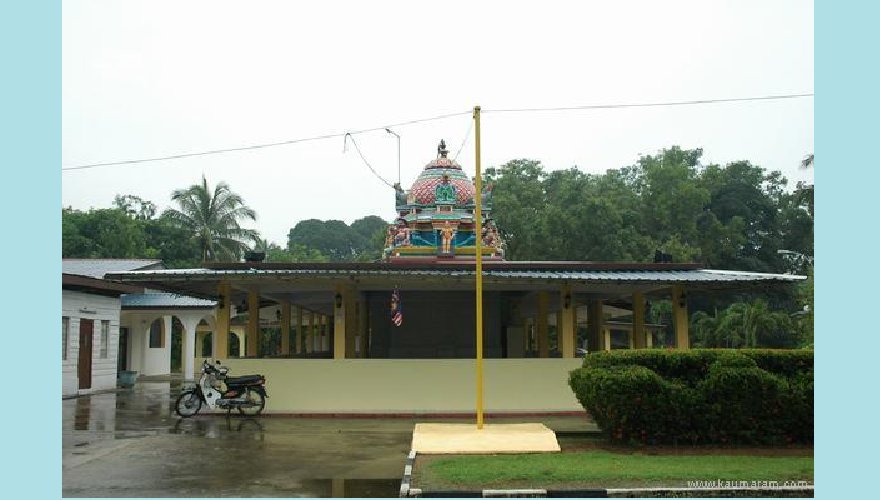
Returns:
<point x="748" y="396"/>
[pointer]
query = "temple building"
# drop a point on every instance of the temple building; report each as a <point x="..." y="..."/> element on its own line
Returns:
<point x="398" y="336"/>
<point x="435" y="218"/>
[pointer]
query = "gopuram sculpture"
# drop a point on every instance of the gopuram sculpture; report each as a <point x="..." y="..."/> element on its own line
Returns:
<point x="435" y="217"/>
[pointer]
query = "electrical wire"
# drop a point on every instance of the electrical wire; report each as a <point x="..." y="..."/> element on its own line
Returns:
<point x="651" y="104"/>
<point x="262" y="146"/>
<point x="349" y="136"/>
<point x="422" y="120"/>
<point x="463" y="142"/>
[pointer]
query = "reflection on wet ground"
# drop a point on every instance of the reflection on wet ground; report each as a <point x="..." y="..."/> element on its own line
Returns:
<point x="130" y="444"/>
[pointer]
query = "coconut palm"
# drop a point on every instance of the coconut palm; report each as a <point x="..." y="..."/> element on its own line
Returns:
<point x="213" y="219"/>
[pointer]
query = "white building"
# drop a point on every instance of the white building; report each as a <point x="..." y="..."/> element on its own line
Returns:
<point x="90" y="308"/>
<point x="108" y="327"/>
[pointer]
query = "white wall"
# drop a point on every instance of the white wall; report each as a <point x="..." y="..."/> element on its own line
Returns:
<point x="142" y="358"/>
<point x="80" y="305"/>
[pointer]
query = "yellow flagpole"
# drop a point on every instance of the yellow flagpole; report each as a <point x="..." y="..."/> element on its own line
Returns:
<point x="478" y="229"/>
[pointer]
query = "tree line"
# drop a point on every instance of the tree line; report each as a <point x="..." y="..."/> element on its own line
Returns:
<point x="737" y="216"/>
<point x="206" y="225"/>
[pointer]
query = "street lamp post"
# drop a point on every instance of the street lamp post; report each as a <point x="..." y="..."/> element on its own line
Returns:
<point x="398" y="152"/>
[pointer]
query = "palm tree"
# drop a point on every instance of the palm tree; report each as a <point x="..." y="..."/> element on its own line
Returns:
<point x="213" y="219"/>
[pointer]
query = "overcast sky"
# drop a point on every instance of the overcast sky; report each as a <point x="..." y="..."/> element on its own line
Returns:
<point x="151" y="78"/>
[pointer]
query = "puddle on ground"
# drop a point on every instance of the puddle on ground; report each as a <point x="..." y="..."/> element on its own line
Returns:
<point x="350" y="488"/>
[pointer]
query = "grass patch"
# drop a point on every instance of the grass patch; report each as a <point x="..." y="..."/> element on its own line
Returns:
<point x="599" y="468"/>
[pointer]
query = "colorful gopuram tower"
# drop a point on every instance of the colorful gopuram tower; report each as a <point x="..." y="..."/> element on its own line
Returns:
<point x="435" y="218"/>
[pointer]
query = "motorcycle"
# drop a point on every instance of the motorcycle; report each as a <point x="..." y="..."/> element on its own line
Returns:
<point x="247" y="394"/>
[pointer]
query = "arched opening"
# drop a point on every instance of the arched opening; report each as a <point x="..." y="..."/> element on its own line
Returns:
<point x="208" y="343"/>
<point x="157" y="334"/>
<point x="176" y="345"/>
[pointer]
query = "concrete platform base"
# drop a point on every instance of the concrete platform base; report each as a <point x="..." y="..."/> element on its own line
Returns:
<point x="492" y="438"/>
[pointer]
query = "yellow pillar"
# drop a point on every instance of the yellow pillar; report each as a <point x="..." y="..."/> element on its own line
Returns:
<point x="220" y="347"/>
<point x="240" y="335"/>
<point x="337" y="488"/>
<point x="595" y="326"/>
<point x="310" y="333"/>
<point x="680" y="317"/>
<point x="638" y="339"/>
<point x="566" y="328"/>
<point x="543" y="337"/>
<point x="607" y="337"/>
<point x="339" y="323"/>
<point x="344" y="323"/>
<point x="649" y="339"/>
<point x="299" y="329"/>
<point x="285" y="328"/>
<point x="253" y="325"/>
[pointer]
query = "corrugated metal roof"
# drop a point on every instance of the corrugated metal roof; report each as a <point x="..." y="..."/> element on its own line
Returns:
<point x="164" y="301"/>
<point x="97" y="268"/>
<point x="688" y="275"/>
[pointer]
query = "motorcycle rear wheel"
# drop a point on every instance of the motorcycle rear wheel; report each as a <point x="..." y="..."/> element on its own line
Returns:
<point x="188" y="404"/>
<point x="258" y="402"/>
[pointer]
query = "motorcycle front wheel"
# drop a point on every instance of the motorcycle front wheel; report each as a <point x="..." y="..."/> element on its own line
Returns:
<point x="257" y="403"/>
<point x="188" y="404"/>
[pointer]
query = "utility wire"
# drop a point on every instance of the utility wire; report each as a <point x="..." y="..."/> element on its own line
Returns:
<point x="262" y="146"/>
<point x="349" y="136"/>
<point x="463" y="142"/>
<point x="651" y="104"/>
<point x="438" y="117"/>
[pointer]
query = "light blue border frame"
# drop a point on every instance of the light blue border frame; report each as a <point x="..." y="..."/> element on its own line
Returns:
<point x="30" y="134"/>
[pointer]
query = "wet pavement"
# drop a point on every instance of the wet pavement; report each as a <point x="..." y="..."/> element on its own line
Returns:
<point x="129" y="443"/>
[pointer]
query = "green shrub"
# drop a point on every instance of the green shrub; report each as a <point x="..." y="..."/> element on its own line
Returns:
<point x="755" y="396"/>
<point x="630" y="403"/>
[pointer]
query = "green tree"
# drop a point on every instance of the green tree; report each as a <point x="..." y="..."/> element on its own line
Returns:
<point x="101" y="233"/>
<point x="212" y="219"/>
<point x="333" y="238"/>
<point x="670" y="197"/>
<point x="135" y="206"/>
<point x="372" y="230"/>
<point x="745" y="324"/>
<point x="339" y="241"/>
<point x="171" y="244"/>
<point x="368" y="226"/>
<point x="518" y="207"/>
<point x="298" y="253"/>
<point x="741" y="224"/>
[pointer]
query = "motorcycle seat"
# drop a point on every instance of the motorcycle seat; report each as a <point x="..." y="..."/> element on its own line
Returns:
<point x="244" y="380"/>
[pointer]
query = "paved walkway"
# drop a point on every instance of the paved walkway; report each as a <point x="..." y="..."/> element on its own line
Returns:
<point x="130" y="444"/>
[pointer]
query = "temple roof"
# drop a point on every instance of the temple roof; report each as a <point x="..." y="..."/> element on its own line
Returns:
<point x="613" y="278"/>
